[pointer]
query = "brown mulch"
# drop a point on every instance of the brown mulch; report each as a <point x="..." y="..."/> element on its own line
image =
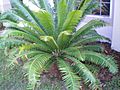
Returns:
<point x="113" y="53"/>
<point x="104" y="74"/>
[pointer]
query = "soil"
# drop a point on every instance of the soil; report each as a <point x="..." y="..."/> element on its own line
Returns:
<point x="104" y="75"/>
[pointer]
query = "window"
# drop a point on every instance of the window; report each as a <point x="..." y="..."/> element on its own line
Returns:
<point x="104" y="8"/>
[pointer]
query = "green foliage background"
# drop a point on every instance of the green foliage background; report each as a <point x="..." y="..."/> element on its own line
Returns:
<point x="10" y="78"/>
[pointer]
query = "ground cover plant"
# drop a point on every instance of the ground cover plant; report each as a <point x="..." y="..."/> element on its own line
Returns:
<point x="48" y="37"/>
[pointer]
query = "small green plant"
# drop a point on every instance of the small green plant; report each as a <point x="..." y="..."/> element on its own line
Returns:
<point x="48" y="36"/>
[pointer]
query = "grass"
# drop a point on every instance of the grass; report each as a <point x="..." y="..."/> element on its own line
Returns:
<point x="13" y="78"/>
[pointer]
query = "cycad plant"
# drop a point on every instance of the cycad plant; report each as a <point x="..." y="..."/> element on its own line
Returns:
<point x="48" y="36"/>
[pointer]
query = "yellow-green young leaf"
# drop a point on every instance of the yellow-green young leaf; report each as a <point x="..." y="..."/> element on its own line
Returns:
<point x="61" y="13"/>
<point x="45" y="18"/>
<point x="50" y="42"/>
<point x="63" y="39"/>
<point x="72" y="20"/>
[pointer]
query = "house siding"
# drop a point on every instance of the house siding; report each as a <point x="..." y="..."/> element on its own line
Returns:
<point x="116" y="27"/>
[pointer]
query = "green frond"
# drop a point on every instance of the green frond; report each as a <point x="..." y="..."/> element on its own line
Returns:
<point x="88" y="6"/>
<point x="72" y="20"/>
<point x="18" y="13"/>
<point x="96" y="48"/>
<point x="84" y="4"/>
<point x="62" y="11"/>
<point x="46" y="20"/>
<point x="10" y="43"/>
<point x="33" y="28"/>
<point x="102" y="60"/>
<point x="63" y="39"/>
<point x="93" y="24"/>
<point x="31" y="47"/>
<point x="83" y="71"/>
<point x="71" y="79"/>
<point x="87" y="40"/>
<point x="25" y="29"/>
<point x="43" y="4"/>
<point x="26" y="12"/>
<point x="22" y="35"/>
<point x="92" y="6"/>
<point x="35" y="67"/>
<point x="74" y="52"/>
<point x="8" y="17"/>
<point x="93" y="68"/>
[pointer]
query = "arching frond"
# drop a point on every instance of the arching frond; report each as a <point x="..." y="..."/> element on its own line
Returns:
<point x="87" y="40"/>
<point x="71" y="79"/>
<point x="8" y="17"/>
<point x="33" y="28"/>
<point x="72" y="20"/>
<point x="43" y="4"/>
<point x="37" y="47"/>
<point x="89" y="26"/>
<point x="11" y="43"/>
<point x="20" y="34"/>
<point x="62" y="11"/>
<point x="101" y="59"/>
<point x="83" y="71"/>
<point x="35" y="67"/>
<point x="74" y="52"/>
<point x="96" y="48"/>
<point x="88" y="6"/>
<point x="84" y="4"/>
<point x="46" y="20"/>
<point x="26" y="12"/>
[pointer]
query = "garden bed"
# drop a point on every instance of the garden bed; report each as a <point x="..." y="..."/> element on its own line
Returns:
<point x="108" y="80"/>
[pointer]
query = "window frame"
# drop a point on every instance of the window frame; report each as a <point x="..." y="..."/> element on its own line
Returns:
<point x="108" y="19"/>
<point x="105" y="16"/>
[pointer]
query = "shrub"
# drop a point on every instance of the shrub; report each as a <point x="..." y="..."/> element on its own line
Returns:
<point x="49" y="36"/>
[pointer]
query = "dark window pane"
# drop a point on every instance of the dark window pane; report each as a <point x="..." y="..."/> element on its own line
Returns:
<point x="106" y="0"/>
<point x="96" y="12"/>
<point x="105" y="9"/>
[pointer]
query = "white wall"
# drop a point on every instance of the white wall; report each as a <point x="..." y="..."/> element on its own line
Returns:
<point x="1" y="5"/>
<point x="116" y="26"/>
<point x="104" y="31"/>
